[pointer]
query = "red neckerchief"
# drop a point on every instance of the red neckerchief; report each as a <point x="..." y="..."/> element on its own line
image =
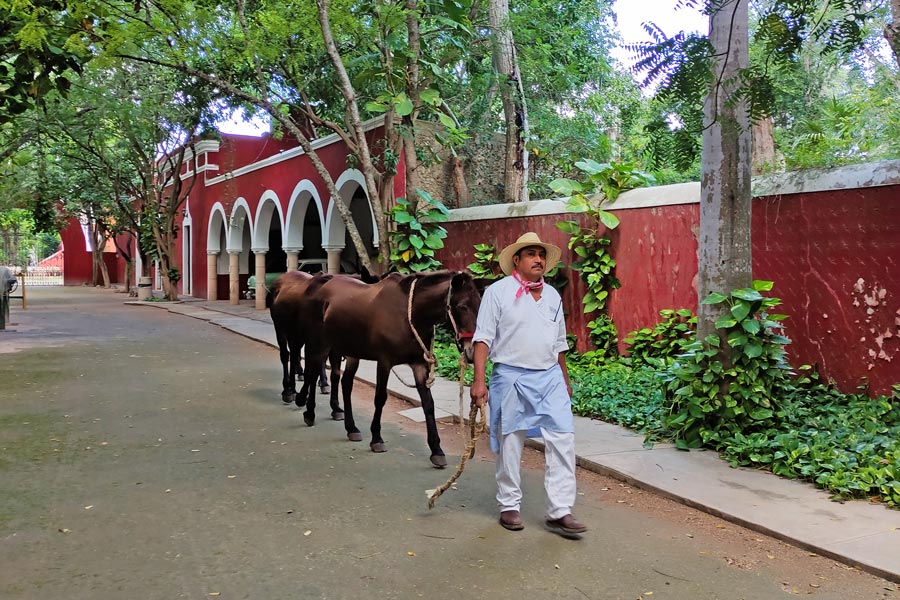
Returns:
<point x="527" y="286"/>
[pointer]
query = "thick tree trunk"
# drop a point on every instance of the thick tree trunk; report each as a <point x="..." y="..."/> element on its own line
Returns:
<point x="512" y="94"/>
<point x="725" y="199"/>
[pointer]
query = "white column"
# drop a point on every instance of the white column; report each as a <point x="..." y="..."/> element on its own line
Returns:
<point x="234" y="285"/>
<point x="334" y="258"/>
<point x="293" y="258"/>
<point x="212" y="281"/>
<point x="260" y="279"/>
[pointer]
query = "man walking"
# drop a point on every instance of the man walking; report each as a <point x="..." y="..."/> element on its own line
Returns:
<point x="522" y="330"/>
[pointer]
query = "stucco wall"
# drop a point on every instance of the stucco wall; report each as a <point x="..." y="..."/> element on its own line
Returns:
<point x="833" y="253"/>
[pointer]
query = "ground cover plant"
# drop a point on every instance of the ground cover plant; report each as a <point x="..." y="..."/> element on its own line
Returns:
<point x="756" y="412"/>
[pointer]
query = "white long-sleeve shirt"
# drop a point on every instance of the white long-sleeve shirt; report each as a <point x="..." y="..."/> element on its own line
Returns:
<point x="521" y="332"/>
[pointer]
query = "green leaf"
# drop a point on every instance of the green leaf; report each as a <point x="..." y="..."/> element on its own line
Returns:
<point x="762" y="286"/>
<point x="446" y="121"/>
<point x="751" y="326"/>
<point x="565" y="187"/>
<point x="569" y="227"/>
<point x="591" y="167"/>
<point x="714" y="298"/>
<point x="435" y="242"/>
<point x="403" y="217"/>
<point x="375" y="107"/>
<point x="610" y="220"/>
<point x="416" y="241"/>
<point x="403" y="105"/>
<point x="740" y="310"/>
<point x="725" y="322"/>
<point x="747" y="294"/>
<point x="430" y="96"/>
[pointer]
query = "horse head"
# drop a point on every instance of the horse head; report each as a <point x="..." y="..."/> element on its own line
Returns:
<point x="463" y="301"/>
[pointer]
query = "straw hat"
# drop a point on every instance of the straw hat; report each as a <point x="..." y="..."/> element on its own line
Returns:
<point x="528" y="239"/>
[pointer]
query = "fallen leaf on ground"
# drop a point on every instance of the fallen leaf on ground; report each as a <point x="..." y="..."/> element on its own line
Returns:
<point x="410" y="553"/>
<point x="307" y="532"/>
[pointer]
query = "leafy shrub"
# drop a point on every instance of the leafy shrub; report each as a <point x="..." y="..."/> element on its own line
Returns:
<point x="708" y="398"/>
<point x="618" y="393"/>
<point x="663" y="341"/>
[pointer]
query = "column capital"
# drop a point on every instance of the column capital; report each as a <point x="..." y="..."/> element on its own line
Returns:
<point x="259" y="250"/>
<point x="213" y="252"/>
<point x="332" y="247"/>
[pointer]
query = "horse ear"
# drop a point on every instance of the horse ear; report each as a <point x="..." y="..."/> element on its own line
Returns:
<point x="482" y="284"/>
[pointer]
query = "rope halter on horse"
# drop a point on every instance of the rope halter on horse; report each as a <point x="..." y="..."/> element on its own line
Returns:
<point x="428" y="353"/>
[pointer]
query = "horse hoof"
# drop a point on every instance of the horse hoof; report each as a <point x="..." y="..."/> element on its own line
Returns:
<point x="378" y="447"/>
<point x="300" y="401"/>
<point x="310" y="421"/>
<point x="338" y="415"/>
<point x="288" y="397"/>
<point x="439" y="461"/>
<point x="354" y="437"/>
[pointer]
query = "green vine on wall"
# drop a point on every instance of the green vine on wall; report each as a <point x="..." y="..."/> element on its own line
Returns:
<point x="418" y="233"/>
<point x="602" y="184"/>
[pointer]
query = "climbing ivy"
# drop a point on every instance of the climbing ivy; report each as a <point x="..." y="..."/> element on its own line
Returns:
<point x="418" y="233"/>
<point x="602" y="184"/>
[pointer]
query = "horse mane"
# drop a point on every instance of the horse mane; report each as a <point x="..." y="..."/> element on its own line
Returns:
<point x="406" y="281"/>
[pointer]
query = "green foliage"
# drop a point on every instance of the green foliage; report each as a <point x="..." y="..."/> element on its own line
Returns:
<point x="485" y="265"/>
<point x="604" y="336"/>
<point x="658" y="345"/>
<point x="418" y="233"/>
<point x="848" y="444"/>
<point x="707" y="398"/>
<point x="602" y="182"/>
<point x="621" y="394"/>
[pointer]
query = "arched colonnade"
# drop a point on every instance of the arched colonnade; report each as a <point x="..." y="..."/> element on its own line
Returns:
<point x="273" y="237"/>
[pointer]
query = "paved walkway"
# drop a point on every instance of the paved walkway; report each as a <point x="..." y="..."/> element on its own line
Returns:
<point x="856" y="533"/>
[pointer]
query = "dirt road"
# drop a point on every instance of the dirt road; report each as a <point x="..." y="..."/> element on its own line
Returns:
<point x="148" y="455"/>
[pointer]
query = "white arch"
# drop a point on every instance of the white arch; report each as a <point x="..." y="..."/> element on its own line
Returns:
<point x="268" y="205"/>
<point x="296" y="213"/>
<point x="347" y="183"/>
<point x="214" y="228"/>
<point x="240" y="214"/>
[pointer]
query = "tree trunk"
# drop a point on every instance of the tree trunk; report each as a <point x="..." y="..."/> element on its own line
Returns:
<point x="506" y="68"/>
<point x="458" y="177"/>
<point x="365" y="157"/>
<point x="892" y="30"/>
<point x="725" y="198"/>
<point x="763" y="152"/>
<point x="411" y="160"/>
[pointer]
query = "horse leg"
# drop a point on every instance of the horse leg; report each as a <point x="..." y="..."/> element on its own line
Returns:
<point x="336" y="412"/>
<point x="297" y="370"/>
<point x="384" y="371"/>
<point x="310" y="375"/>
<point x="288" y="389"/>
<point x="353" y="434"/>
<point x="420" y="373"/>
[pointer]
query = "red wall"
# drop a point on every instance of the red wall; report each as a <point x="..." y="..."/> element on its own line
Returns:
<point x="816" y="247"/>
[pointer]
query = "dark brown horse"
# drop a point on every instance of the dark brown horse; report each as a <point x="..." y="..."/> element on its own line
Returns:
<point x="391" y="322"/>
<point x="286" y="287"/>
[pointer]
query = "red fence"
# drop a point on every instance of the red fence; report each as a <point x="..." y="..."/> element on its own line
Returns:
<point x="829" y="240"/>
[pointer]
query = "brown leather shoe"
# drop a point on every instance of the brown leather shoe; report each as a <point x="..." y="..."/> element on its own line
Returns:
<point x="567" y="526"/>
<point x="511" y="520"/>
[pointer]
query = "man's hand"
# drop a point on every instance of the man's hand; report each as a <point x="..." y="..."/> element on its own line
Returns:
<point x="478" y="393"/>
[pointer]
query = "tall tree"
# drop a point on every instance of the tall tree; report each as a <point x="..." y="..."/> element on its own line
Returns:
<point x="725" y="198"/>
<point x="512" y="95"/>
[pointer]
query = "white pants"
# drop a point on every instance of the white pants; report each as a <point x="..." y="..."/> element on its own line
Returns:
<point x="559" y="472"/>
